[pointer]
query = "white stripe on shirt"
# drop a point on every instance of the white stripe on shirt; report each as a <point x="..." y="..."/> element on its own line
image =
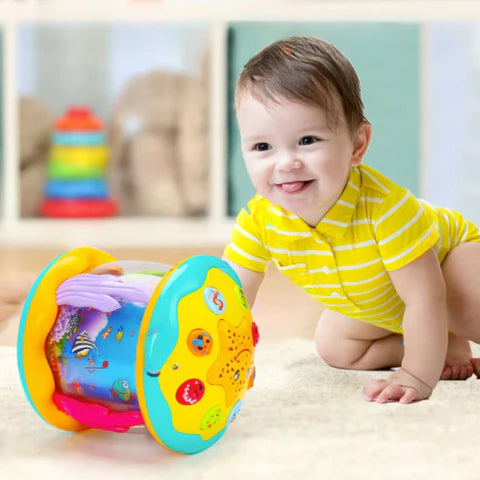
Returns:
<point x="392" y="210"/>
<point x="383" y="187"/>
<point x="408" y="250"/>
<point x="361" y="282"/>
<point x="445" y="216"/>
<point x="296" y="253"/>
<point x="289" y="267"/>
<point x="355" y="187"/>
<point x="343" y="268"/>
<point x="290" y="234"/>
<point x="279" y="213"/>
<point x="334" y="222"/>
<point x="352" y="246"/>
<point x="371" y="199"/>
<point x="360" y="222"/>
<point x="247" y="255"/>
<point x="401" y="230"/>
<point x="356" y="294"/>
<point x="377" y="296"/>
<point x="393" y="297"/>
<point x="345" y="204"/>
<point x="248" y="235"/>
<point x="381" y="313"/>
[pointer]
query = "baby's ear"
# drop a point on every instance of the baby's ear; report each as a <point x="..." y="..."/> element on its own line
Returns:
<point x="361" y="141"/>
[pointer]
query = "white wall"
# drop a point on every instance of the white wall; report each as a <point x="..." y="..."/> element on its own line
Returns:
<point x="452" y="102"/>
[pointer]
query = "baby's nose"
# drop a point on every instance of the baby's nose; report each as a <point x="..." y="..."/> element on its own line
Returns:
<point x="289" y="161"/>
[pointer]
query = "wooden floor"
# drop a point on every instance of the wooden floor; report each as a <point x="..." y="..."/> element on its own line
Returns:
<point x="281" y="309"/>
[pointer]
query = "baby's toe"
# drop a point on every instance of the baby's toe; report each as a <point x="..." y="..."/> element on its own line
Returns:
<point x="475" y="362"/>
<point x="466" y="371"/>
<point x="459" y="372"/>
<point x="446" y="373"/>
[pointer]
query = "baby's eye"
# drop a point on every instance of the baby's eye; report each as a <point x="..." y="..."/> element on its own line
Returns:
<point x="262" y="147"/>
<point x="308" y="140"/>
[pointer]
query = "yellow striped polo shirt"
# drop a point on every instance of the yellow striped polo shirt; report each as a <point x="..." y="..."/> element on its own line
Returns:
<point x="375" y="226"/>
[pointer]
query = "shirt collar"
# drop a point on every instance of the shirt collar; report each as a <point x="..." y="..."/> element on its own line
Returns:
<point x="338" y="218"/>
<point x="334" y="223"/>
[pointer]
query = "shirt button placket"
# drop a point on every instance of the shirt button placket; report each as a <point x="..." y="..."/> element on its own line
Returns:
<point x="332" y="270"/>
<point x="334" y="279"/>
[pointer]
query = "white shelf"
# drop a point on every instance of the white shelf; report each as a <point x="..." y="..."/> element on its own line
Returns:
<point x="117" y="232"/>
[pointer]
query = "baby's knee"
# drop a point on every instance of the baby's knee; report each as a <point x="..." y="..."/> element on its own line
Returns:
<point x="331" y="354"/>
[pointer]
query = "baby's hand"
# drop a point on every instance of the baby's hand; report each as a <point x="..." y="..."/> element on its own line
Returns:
<point x="401" y="386"/>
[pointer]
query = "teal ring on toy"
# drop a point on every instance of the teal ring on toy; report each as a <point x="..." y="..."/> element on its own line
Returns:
<point x="187" y="278"/>
<point x="21" y="333"/>
<point x="79" y="138"/>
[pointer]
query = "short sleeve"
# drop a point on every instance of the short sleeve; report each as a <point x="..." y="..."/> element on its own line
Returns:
<point x="246" y="247"/>
<point x="403" y="229"/>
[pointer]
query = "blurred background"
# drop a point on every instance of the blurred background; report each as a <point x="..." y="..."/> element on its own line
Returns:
<point x="117" y="128"/>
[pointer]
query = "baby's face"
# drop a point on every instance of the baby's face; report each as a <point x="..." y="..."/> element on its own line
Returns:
<point x="294" y="158"/>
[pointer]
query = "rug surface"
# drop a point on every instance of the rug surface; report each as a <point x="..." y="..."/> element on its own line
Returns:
<point x="302" y="420"/>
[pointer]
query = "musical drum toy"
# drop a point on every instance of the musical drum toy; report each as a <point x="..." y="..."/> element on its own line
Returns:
<point x="114" y="344"/>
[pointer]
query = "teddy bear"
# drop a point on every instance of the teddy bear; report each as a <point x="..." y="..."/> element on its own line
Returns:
<point x="158" y="134"/>
<point x="36" y="122"/>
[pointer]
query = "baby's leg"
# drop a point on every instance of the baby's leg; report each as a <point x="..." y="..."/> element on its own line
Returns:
<point x="461" y="272"/>
<point x="351" y="344"/>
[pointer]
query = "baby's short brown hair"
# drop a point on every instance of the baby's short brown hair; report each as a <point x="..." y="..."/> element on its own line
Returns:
<point x="307" y="70"/>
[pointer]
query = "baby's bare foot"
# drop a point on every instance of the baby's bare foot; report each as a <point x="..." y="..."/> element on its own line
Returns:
<point x="458" y="372"/>
<point x="458" y="362"/>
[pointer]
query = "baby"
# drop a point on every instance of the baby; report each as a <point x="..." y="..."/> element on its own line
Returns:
<point x="398" y="277"/>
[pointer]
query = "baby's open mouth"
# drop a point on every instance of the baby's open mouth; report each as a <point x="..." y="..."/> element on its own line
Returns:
<point x="294" y="187"/>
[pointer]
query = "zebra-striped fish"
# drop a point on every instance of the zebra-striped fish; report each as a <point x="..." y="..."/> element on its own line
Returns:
<point x="83" y="344"/>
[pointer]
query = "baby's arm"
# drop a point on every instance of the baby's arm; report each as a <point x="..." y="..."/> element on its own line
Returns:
<point x="421" y="286"/>
<point x="250" y="279"/>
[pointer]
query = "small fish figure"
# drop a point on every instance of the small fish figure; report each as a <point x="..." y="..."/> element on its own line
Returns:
<point x="77" y="387"/>
<point x="119" y="334"/>
<point x="83" y="345"/>
<point x="73" y="325"/>
<point x="121" y="390"/>
<point x="106" y="333"/>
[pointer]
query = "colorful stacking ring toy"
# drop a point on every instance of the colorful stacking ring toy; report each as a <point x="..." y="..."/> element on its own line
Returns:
<point x="66" y="171"/>
<point x="77" y="168"/>
<point x="79" y="208"/>
<point x="96" y="156"/>
<point x="114" y="344"/>
<point x="72" y="189"/>
<point x="79" y="138"/>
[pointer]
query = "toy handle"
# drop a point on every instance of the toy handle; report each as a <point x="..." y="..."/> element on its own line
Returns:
<point x="93" y="415"/>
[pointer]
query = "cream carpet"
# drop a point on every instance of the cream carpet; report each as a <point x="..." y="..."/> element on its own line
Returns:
<point x="302" y="420"/>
